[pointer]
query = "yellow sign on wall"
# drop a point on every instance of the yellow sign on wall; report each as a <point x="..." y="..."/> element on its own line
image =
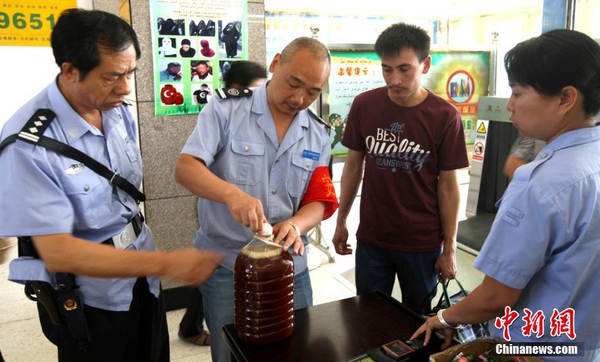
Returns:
<point x="30" y="22"/>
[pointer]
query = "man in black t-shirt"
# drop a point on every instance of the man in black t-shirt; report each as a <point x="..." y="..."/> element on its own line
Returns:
<point x="201" y="95"/>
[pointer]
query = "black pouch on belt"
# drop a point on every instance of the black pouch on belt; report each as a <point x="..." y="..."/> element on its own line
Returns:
<point x="63" y="305"/>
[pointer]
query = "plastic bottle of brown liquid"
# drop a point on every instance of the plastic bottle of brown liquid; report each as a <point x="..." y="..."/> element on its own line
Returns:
<point x="264" y="290"/>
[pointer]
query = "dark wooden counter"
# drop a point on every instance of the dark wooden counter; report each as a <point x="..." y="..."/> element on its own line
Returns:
<point x="336" y="332"/>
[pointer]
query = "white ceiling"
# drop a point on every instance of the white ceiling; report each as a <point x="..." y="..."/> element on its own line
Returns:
<point x="404" y="8"/>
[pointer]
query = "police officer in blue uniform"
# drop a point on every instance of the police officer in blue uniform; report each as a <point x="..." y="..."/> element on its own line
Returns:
<point x="250" y="159"/>
<point x="79" y="221"/>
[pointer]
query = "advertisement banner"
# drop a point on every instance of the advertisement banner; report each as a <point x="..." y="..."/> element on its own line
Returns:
<point x="352" y="73"/>
<point x="30" y="22"/>
<point x="193" y="45"/>
<point x="460" y="77"/>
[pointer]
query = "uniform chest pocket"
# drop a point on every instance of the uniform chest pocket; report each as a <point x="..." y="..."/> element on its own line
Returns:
<point x="135" y="174"/>
<point x="131" y="154"/>
<point x="90" y="198"/>
<point x="245" y="164"/>
<point x="300" y="169"/>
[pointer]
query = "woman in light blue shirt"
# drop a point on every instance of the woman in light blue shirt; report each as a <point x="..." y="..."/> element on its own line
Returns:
<point x="542" y="255"/>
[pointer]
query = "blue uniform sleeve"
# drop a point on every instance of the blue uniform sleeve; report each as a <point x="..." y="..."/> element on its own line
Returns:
<point x="207" y="138"/>
<point x="32" y="200"/>
<point x="527" y="229"/>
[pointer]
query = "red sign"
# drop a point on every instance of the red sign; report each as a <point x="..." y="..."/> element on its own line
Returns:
<point x="478" y="151"/>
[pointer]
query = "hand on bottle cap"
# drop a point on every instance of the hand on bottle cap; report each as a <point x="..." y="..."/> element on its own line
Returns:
<point x="266" y="229"/>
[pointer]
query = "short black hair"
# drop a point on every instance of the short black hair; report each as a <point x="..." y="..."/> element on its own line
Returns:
<point x="244" y="73"/>
<point x="80" y="35"/>
<point x="557" y="59"/>
<point x="397" y="37"/>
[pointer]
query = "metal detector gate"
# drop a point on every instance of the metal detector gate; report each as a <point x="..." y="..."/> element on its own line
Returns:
<point x="494" y="138"/>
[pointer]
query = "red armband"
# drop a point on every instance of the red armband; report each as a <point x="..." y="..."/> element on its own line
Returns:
<point x="320" y="188"/>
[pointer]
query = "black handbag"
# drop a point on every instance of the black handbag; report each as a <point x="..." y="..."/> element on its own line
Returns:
<point x="466" y="332"/>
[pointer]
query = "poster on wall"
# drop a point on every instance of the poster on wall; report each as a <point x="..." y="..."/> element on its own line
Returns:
<point x="30" y="22"/>
<point x="460" y="77"/>
<point x="193" y="44"/>
<point x="352" y="73"/>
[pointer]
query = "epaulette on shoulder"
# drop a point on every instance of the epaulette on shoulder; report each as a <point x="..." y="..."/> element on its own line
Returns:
<point x="228" y="93"/>
<point x="316" y="117"/>
<point x="33" y="129"/>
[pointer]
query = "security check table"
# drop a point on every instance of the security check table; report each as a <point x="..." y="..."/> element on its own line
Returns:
<point x="337" y="332"/>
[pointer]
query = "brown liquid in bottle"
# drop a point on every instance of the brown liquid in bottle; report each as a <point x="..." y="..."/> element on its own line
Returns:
<point x="264" y="293"/>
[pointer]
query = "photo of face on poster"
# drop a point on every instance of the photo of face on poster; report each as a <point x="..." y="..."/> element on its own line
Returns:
<point x="230" y="39"/>
<point x="169" y="26"/>
<point x="201" y="71"/>
<point x="201" y="93"/>
<point x="170" y="70"/>
<point x="187" y="49"/>
<point x="166" y="47"/>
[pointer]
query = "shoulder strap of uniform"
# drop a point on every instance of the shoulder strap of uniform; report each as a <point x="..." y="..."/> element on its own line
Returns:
<point x="8" y="140"/>
<point x="317" y="118"/>
<point x="113" y="177"/>
<point x="32" y="133"/>
<point x="225" y="93"/>
<point x="33" y="128"/>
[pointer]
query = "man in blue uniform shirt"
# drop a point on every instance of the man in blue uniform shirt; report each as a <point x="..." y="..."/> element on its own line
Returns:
<point x="78" y="220"/>
<point x="250" y="159"/>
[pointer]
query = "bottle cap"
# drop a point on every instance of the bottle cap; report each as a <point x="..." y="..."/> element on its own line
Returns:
<point x="267" y="229"/>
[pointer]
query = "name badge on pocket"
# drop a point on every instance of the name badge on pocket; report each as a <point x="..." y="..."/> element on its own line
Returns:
<point x="75" y="169"/>
<point x="311" y="155"/>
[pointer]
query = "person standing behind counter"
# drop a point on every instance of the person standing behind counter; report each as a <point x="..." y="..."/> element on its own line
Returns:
<point x="251" y="158"/>
<point x="412" y="143"/>
<point x="75" y="217"/>
<point x="245" y="74"/>
<point x="543" y="251"/>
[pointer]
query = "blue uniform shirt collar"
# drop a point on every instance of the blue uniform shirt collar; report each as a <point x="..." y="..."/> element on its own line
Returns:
<point x="111" y="118"/>
<point x="573" y="138"/>
<point x="260" y="106"/>
<point x="71" y="122"/>
<point x="565" y="140"/>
